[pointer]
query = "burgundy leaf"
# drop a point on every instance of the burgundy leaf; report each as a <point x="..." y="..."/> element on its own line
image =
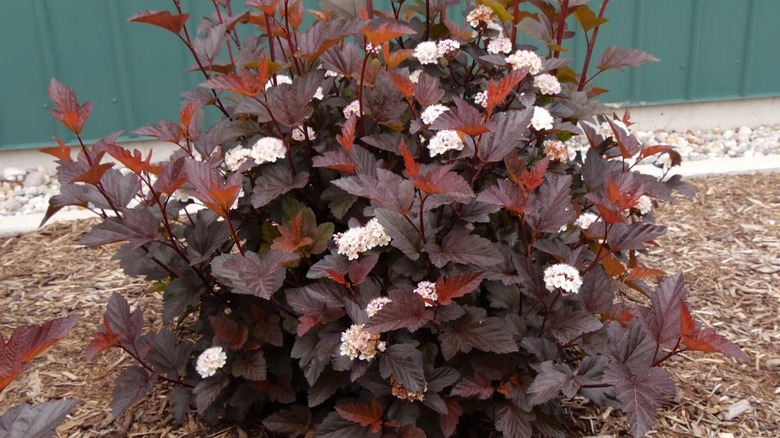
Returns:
<point x="508" y="132"/>
<point x="293" y="422"/>
<point x="663" y="320"/>
<point x="390" y="190"/>
<point x="553" y="378"/>
<point x="479" y="386"/>
<point x="275" y="180"/>
<point x="337" y="160"/>
<point x="440" y="180"/>
<point x="132" y="384"/>
<point x="505" y="194"/>
<point x="207" y="391"/>
<point x="252" y="275"/>
<point x="428" y="90"/>
<point x="251" y="366"/>
<point x="125" y="324"/>
<point x="459" y="246"/>
<point x="406" y="310"/>
<point x="403" y="235"/>
<point x="633" y="236"/>
<point x="405" y="363"/>
<point x="232" y="333"/>
<point x="616" y="58"/>
<point x="640" y="393"/>
<point x="368" y="415"/>
<point x="289" y="103"/>
<point x="166" y="131"/>
<point x="457" y="286"/>
<point x="449" y="421"/>
<point x="553" y="205"/>
<point x="512" y="421"/>
<point x="464" y="118"/>
<point x="567" y="324"/>
<point x="476" y="330"/>
<point x="35" y="421"/>
<point x="344" y="59"/>
<point x="359" y="269"/>
<point x="596" y="295"/>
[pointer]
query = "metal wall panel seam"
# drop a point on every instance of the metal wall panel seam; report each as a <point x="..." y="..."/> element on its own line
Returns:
<point x="47" y="54"/>
<point x="635" y="78"/>
<point x="750" y="33"/>
<point x="121" y="66"/>
<point x="693" y="50"/>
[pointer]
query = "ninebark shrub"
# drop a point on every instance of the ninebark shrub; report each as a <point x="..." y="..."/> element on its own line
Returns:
<point x="397" y="237"/>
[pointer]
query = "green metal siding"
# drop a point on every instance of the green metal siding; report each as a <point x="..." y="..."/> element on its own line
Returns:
<point x="134" y="73"/>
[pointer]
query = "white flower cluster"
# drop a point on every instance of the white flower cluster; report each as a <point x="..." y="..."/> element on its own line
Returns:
<point x="481" y="99"/>
<point x="298" y="135"/>
<point x="360" y="239"/>
<point x="444" y="141"/>
<point x="376" y="305"/>
<point x="644" y="204"/>
<point x="480" y="14"/>
<point x="562" y="276"/>
<point x="210" y="361"/>
<point x="370" y="48"/>
<point x="353" y="109"/>
<point x="556" y="150"/>
<point x="445" y="47"/>
<point x="427" y="52"/>
<point x="585" y="220"/>
<point x="357" y="342"/>
<point x="500" y="44"/>
<point x="542" y="119"/>
<point x="547" y="84"/>
<point x="280" y="79"/>
<point x="415" y="76"/>
<point x="431" y="113"/>
<point x="332" y="74"/>
<point x="427" y="290"/>
<point x="525" y="58"/>
<point x="265" y="150"/>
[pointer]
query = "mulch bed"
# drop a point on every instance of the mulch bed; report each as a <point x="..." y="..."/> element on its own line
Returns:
<point x="726" y="242"/>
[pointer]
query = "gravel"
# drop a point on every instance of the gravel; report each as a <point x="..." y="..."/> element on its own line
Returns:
<point x="27" y="191"/>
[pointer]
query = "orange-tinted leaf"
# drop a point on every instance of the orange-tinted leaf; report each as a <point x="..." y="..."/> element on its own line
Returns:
<point x="394" y="58"/>
<point x="640" y="273"/>
<point x="267" y="6"/>
<point x="533" y="178"/>
<point x="60" y="151"/>
<point x="93" y="174"/>
<point x="188" y="114"/>
<point x="221" y="198"/>
<point x="367" y="415"/>
<point x="337" y="160"/>
<point x="705" y="339"/>
<point x="291" y="239"/>
<point x="457" y="32"/>
<point x="347" y="137"/>
<point x="448" y="289"/>
<point x="498" y="91"/>
<point x="386" y="32"/>
<point x="595" y="91"/>
<point x="612" y="265"/>
<point x="336" y="276"/>
<point x="610" y="215"/>
<point x="404" y="85"/>
<point x="412" y="168"/>
<point x="306" y="323"/>
<point x="687" y="323"/>
<point x="101" y="341"/>
<point x="648" y="151"/>
<point x="164" y="19"/>
<point x="133" y="160"/>
<point x="243" y="82"/>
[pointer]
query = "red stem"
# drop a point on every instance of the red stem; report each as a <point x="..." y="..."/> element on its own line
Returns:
<point x="591" y="46"/>
<point x="234" y="236"/>
<point x="561" y="26"/>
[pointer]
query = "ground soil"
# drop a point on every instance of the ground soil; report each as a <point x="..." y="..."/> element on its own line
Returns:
<point x="727" y="243"/>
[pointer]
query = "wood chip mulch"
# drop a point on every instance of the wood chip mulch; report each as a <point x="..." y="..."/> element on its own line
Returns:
<point x="726" y="242"/>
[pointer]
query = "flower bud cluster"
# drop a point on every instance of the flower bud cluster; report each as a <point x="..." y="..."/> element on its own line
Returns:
<point x="427" y="290"/>
<point x="376" y="305"/>
<point x="210" y="361"/>
<point x="556" y="150"/>
<point x="359" y="343"/>
<point x="562" y="276"/>
<point x="360" y="239"/>
<point x="585" y="220"/>
<point x="399" y="391"/>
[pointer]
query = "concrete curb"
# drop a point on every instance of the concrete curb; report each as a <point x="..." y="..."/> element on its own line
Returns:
<point x="16" y="225"/>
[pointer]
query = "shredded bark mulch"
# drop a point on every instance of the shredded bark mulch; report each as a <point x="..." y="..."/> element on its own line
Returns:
<point x="726" y="242"/>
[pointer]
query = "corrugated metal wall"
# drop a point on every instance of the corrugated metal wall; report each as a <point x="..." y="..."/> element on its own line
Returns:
<point x="133" y="73"/>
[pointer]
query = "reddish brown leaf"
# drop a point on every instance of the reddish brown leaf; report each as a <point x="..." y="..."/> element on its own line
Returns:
<point x="94" y="173"/>
<point x="337" y="160"/>
<point x="440" y="180"/>
<point x="60" y="151"/>
<point x="359" y="269"/>
<point x="498" y="91"/>
<point x="386" y="32"/>
<point x="612" y="265"/>
<point x="336" y="276"/>
<point x="291" y="239"/>
<point x="449" y="421"/>
<point x="394" y="58"/>
<point x="69" y="112"/>
<point x="133" y="160"/>
<point x="233" y="334"/>
<point x="412" y="168"/>
<point x="640" y="273"/>
<point x="533" y="178"/>
<point x="164" y="19"/>
<point x="367" y="415"/>
<point x="102" y="340"/>
<point x="242" y="82"/>
<point x="347" y="137"/>
<point x="448" y="289"/>
<point x="648" y="151"/>
<point x="404" y="85"/>
<point x="306" y="323"/>
<point x="705" y="339"/>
